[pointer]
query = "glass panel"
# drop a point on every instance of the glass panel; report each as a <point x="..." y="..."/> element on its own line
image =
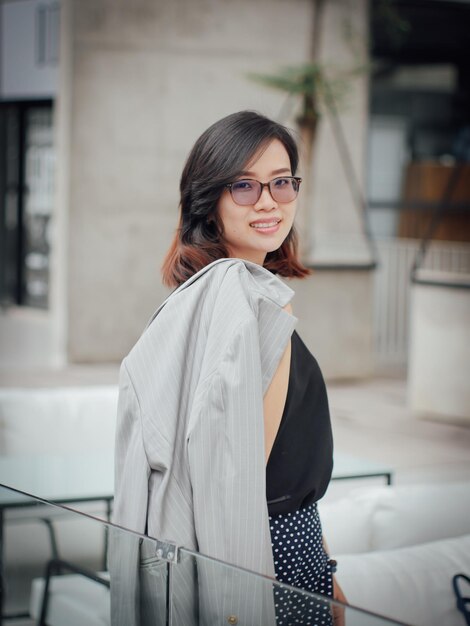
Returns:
<point x="206" y="591"/>
<point x="38" y="538"/>
<point x="75" y="569"/>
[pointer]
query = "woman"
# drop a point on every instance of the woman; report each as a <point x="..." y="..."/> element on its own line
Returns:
<point x="223" y="438"/>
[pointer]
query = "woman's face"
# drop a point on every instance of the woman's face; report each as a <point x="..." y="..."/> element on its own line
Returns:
<point x="251" y="231"/>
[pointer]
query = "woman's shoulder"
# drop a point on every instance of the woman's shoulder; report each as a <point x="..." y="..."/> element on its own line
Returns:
<point x="249" y="277"/>
<point x="261" y="282"/>
<point x="231" y="289"/>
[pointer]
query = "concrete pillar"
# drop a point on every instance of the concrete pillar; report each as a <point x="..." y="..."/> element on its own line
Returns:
<point x="335" y="304"/>
<point x="337" y="234"/>
<point x="335" y="320"/>
<point x="439" y="360"/>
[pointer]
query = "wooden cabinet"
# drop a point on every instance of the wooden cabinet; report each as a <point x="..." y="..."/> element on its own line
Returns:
<point x="424" y="186"/>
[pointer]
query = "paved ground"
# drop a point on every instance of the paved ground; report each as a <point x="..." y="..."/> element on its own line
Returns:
<point x="371" y="419"/>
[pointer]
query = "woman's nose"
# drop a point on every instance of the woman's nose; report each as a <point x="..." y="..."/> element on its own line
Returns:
<point x="265" y="201"/>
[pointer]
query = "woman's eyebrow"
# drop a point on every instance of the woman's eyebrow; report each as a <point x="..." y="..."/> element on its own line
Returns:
<point x="282" y="170"/>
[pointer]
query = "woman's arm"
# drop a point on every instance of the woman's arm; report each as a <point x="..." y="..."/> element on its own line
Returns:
<point x="338" y="594"/>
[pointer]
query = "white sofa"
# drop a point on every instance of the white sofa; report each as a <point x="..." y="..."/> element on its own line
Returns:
<point x="63" y="420"/>
<point x="398" y="547"/>
<point x="60" y="422"/>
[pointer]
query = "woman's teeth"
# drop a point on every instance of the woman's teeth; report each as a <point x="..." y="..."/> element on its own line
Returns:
<point x="265" y="224"/>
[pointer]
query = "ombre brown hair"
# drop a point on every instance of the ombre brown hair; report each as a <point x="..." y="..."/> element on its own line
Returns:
<point x="217" y="158"/>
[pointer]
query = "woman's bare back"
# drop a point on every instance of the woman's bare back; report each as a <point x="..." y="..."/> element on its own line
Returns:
<point x="275" y="398"/>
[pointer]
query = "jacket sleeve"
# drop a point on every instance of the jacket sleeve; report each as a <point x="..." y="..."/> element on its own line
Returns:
<point x="226" y="457"/>
<point x="130" y="506"/>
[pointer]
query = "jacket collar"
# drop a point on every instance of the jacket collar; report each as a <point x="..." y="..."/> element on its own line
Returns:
<point x="268" y="284"/>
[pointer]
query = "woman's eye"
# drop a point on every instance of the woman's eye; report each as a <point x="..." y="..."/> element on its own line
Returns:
<point x="243" y="185"/>
<point x="282" y="182"/>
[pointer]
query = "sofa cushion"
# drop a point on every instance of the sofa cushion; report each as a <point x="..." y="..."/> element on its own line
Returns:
<point x="383" y="518"/>
<point x="347" y="527"/>
<point x="412" y="584"/>
<point x="413" y="514"/>
<point x="62" y="420"/>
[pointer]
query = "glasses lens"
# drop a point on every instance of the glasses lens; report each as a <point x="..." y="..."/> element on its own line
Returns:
<point x="246" y="191"/>
<point x="284" y="189"/>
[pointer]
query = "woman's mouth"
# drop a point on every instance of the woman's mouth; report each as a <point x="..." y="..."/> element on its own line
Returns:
<point x="266" y="226"/>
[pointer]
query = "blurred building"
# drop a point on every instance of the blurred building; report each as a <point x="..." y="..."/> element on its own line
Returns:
<point x="419" y="199"/>
<point x="92" y="146"/>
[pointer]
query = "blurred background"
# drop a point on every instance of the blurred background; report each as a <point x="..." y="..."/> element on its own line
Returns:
<point x="100" y="103"/>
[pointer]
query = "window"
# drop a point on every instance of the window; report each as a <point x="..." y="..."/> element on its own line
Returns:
<point x="26" y="200"/>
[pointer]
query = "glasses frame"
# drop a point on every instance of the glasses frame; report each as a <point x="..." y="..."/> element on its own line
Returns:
<point x="262" y="186"/>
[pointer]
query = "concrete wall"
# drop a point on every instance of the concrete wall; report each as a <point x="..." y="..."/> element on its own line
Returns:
<point x="148" y="77"/>
<point x="439" y="360"/>
<point x="138" y="83"/>
<point x="335" y="320"/>
<point x="29" y="339"/>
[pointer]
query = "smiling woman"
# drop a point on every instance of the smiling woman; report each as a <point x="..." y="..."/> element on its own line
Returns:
<point x="227" y="160"/>
<point x="257" y="217"/>
<point x="223" y="421"/>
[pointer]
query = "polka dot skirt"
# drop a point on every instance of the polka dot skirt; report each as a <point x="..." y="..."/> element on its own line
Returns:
<point x="301" y="561"/>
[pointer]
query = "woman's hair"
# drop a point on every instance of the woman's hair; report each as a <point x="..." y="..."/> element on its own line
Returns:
<point x="217" y="158"/>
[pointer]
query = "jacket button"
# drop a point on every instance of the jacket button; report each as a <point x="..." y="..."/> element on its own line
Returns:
<point x="232" y="619"/>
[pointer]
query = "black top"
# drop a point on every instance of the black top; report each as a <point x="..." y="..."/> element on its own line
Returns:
<point x="301" y="460"/>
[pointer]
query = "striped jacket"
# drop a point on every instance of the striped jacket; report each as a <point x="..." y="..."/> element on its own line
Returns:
<point x="189" y="455"/>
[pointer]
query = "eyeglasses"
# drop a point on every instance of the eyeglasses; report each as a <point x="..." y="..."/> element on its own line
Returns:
<point x="248" y="191"/>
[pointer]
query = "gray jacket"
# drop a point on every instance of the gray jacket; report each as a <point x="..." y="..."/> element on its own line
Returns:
<point x="189" y="456"/>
